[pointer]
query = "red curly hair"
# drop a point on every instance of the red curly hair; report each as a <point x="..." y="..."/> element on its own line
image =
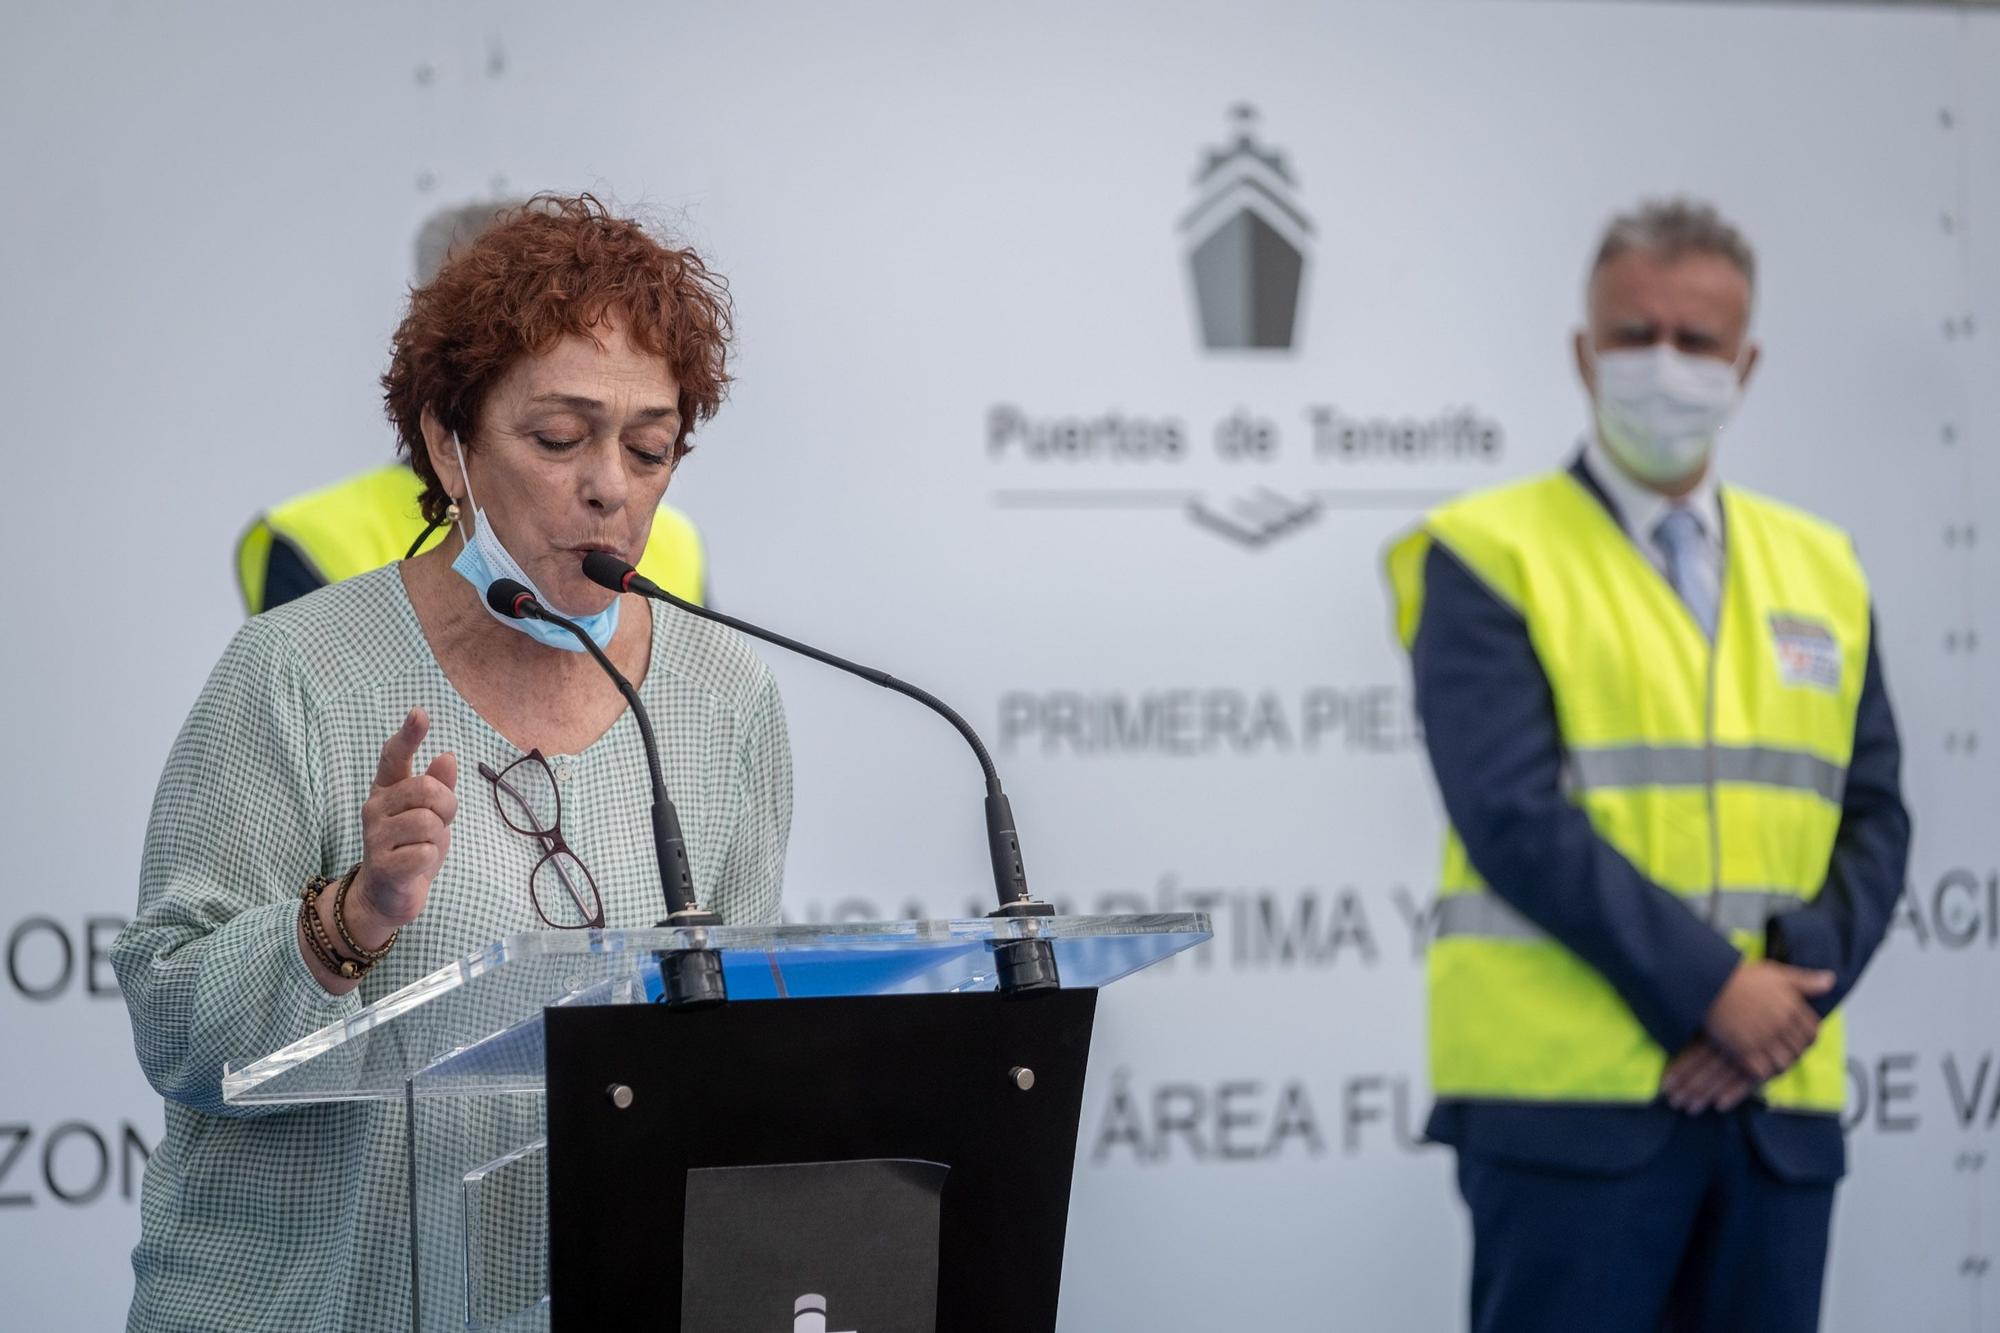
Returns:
<point x="556" y="266"/>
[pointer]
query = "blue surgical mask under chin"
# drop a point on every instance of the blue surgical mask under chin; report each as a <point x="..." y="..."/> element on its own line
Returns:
<point x="484" y="562"/>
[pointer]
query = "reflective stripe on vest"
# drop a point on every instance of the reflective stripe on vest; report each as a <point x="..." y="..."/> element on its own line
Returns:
<point x="1717" y="772"/>
<point x="1487" y="916"/>
<point x="369" y="521"/>
<point x="1692" y="766"/>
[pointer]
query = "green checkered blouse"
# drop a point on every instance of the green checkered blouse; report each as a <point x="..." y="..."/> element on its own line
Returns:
<point x="293" y="1220"/>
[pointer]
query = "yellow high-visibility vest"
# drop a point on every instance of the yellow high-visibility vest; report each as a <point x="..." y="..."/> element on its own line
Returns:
<point x="1716" y="770"/>
<point x="368" y="521"/>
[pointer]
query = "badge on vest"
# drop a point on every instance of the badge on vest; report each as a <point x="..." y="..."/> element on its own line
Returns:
<point x="1808" y="654"/>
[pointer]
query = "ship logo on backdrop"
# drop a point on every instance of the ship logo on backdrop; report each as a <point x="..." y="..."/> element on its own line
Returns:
<point x="1254" y="519"/>
<point x="1247" y="241"/>
<point x="1257" y="475"/>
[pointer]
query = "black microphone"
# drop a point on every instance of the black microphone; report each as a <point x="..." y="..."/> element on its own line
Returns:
<point x="1025" y="965"/>
<point x="691" y="977"/>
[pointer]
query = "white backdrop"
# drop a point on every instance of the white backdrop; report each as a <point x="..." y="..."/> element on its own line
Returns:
<point x="953" y="236"/>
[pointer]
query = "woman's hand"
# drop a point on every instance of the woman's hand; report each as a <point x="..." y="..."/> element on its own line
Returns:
<point x="405" y="833"/>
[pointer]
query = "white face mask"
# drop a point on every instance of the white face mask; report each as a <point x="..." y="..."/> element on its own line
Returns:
<point x="1658" y="409"/>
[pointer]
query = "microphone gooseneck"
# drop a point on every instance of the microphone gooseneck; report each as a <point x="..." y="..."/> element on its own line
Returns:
<point x="692" y="977"/>
<point x="1025" y="965"/>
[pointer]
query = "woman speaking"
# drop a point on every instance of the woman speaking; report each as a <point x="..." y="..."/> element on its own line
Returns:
<point x="387" y="774"/>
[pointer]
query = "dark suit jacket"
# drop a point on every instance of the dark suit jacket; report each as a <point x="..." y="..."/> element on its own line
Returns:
<point x="1490" y="725"/>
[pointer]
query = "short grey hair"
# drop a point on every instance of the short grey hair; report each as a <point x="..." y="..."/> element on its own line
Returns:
<point x="1672" y="229"/>
<point x="448" y="228"/>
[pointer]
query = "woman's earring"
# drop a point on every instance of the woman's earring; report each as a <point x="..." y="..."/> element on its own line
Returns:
<point x="451" y="512"/>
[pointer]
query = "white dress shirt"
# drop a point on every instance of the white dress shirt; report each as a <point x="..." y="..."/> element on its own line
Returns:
<point x="1641" y="508"/>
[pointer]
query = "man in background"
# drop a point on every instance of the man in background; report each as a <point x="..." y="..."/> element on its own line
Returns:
<point x="366" y="521"/>
<point x="1656" y="714"/>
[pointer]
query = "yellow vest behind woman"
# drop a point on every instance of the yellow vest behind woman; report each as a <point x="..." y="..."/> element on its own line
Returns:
<point x="368" y="521"/>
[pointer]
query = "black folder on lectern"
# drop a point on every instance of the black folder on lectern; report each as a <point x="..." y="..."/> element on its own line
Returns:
<point x="867" y="1138"/>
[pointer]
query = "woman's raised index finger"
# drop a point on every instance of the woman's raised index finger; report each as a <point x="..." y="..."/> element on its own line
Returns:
<point x="399" y="752"/>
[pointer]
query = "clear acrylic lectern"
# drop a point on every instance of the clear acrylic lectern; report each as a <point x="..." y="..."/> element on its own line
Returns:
<point x="524" y="1097"/>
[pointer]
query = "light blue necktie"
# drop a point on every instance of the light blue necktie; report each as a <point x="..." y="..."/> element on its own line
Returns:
<point x="1679" y="536"/>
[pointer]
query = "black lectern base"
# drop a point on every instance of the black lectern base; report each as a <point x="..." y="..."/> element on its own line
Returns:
<point x="987" y="1087"/>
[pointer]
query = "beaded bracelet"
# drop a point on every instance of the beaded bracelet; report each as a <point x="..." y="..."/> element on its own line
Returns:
<point x="349" y="969"/>
<point x="369" y="956"/>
